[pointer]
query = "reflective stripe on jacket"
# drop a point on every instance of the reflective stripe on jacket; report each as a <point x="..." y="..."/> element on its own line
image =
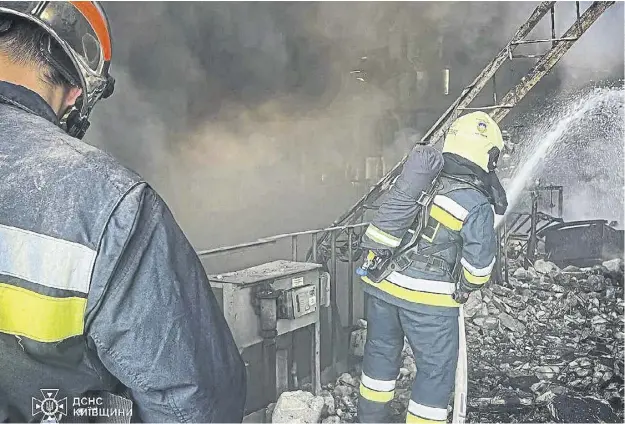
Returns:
<point x="99" y="288"/>
<point x="459" y="214"/>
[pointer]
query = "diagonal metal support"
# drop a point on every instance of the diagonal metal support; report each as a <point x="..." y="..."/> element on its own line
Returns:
<point x="546" y="62"/>
<point x="549" y="59"/>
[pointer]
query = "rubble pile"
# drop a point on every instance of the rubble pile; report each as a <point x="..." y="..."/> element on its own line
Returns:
<point x="546" y="347"/>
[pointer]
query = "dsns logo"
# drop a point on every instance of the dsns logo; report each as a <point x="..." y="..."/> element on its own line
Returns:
<point x="51" y="408"/>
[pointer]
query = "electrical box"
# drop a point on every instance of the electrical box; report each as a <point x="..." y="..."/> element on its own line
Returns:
<point x="297" y="302"/>
<point x="301" y="288"/>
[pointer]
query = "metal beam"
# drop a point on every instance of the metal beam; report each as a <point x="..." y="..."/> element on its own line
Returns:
<point x="552" y="57"/>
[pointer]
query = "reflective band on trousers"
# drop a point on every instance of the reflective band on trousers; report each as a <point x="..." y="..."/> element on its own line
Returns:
<point x="414" y="419"/>
<point x="427" y="412"/>
<point x="379" y="236"/>
<point x="380" y="391"/>
<point x="413" y="296"/>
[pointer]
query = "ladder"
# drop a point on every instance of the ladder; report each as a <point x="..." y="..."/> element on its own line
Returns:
<point x="546" y="61"/>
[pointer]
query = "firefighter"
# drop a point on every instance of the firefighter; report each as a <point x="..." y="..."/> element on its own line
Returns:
<point x="454" y="255"/>
<point x="101" y="294"/>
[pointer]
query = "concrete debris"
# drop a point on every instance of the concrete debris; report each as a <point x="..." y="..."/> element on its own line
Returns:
<point x="547" y="372"/>
<point x="571" y="346"/>
<point x="473" y="305"/>
<point x="546" y="347"/>
<point x="511" y="323"/>
<point x="298" y="407"/>
<point x="545" y="267"/>
<point x="615" y="265"/>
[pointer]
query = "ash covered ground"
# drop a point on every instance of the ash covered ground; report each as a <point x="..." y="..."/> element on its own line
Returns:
<point x="545" y="347"/>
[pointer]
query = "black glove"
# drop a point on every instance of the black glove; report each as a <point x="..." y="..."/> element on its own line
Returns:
<point x="461" y="295"/>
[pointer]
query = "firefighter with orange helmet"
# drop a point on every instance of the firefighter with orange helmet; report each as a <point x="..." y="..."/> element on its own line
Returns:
<point x="105" y="308"/>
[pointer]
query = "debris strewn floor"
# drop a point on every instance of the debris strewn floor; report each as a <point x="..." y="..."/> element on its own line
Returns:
<point x="547" y="347"/>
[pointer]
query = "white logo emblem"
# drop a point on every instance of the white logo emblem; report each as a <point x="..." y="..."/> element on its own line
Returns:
<point x="51" y="408"/>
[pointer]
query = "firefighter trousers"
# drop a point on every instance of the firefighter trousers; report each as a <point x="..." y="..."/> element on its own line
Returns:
<point x="434" y="342"/>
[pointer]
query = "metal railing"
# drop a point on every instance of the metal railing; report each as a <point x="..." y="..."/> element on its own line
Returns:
<point x="344" y="251"/>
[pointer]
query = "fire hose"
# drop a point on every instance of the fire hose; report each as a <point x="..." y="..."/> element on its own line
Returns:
<point x="461" y="384"/>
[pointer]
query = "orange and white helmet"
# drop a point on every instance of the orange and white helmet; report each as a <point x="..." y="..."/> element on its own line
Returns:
<point x="82" y="31"/>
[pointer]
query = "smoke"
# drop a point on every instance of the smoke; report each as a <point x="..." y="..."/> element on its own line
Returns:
<point x="256" y="118"/>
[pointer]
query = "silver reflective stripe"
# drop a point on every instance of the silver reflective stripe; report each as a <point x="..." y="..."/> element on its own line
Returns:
<point x="379" y="236"/>
<point x="451" y="206"/>
<point x="377" y="385"/>
<point x="45" y="260"/>
<point x="478" y="272"/>
<point x="419" y="284"/>
<point x="427" y="412"/>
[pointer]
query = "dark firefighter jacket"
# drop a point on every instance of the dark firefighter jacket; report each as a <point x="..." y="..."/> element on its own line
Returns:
<point x="99" y="288"/>
<point x="461" y="217"/>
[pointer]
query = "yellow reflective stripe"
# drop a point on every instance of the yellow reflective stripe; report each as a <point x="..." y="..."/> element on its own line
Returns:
<point x="379" y="236"/>
<point x="370" y="255"/>
<point x="375" y="396"/>
<point x="445" y="218"/>
<point x="39" y="317"/>
<point x="475" y="279"/>
<point x="414" y="296"/>
<point x="414" y="419"/>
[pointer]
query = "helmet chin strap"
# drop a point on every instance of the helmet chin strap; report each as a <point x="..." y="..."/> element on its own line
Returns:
<point x="73" y="124"/>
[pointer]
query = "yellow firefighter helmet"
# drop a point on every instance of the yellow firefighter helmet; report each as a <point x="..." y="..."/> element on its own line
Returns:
<point x="477" y="138"/>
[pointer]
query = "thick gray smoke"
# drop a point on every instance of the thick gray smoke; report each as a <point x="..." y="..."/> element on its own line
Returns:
<point x="257" y="118"/>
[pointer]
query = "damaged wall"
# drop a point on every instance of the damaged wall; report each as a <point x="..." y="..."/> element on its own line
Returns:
<point x="246" y="118"/>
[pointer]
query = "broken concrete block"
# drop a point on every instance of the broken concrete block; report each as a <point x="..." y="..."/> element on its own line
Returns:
<point x="298" y="407"/>
<point x="547" y="372"/>
<point x="473" y="305"/>
<point x="613" y="266"/>
<point x="521" y="274"/>
<point x="486" y="322"/>
<point x="545" y="267"/>
<point x="511" y="323"/>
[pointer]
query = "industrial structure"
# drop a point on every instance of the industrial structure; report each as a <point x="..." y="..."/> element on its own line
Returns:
<point x="292" y="318"/>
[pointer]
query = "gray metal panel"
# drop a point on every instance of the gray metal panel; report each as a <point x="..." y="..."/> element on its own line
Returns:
<point x="264" y="272"/>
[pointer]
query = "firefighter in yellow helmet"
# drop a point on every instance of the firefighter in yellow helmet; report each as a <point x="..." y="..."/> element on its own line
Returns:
<point x="454" y="254"/>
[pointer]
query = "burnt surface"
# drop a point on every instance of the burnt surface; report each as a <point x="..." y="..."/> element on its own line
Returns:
<point x="547" y="347"/>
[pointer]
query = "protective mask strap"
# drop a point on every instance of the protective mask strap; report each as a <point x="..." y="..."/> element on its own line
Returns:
<point x="493" y="157"/>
